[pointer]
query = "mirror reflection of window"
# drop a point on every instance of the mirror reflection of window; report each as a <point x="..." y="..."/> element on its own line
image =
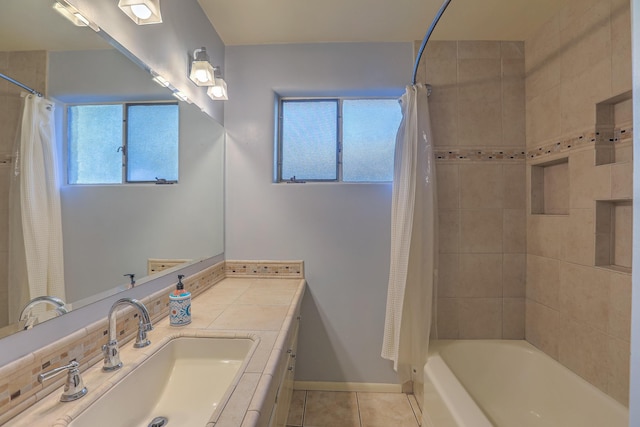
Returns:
<point x="122" y="143"/>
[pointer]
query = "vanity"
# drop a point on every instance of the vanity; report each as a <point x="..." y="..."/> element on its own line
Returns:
<point x="257" y="306"/>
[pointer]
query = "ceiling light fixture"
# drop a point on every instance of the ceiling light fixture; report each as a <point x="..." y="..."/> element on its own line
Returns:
<point x="201" y="71"/>
<point x="142" y="12"/>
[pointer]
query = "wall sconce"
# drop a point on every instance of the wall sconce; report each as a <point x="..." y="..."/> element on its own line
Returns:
<point x="218" y="92"/>
<point x="73" y="15"/>
<point x="201" y="73"/>
<point x="142" y="12"/>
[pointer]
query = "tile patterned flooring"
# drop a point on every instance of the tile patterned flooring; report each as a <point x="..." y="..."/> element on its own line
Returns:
<point x="353" y="409"/>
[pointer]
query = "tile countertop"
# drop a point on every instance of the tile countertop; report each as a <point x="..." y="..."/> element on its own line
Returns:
<point x="262" y="309"/>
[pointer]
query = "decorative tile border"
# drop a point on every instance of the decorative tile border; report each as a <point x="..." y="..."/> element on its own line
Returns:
<point x="19" y="387"/>
<point x="598" y="139"/>
<point x="265" y="269"/>
<point x="479" y="155"/>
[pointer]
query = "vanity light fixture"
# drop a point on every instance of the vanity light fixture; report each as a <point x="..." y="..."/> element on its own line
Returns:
<point x="73" y="15"/>
<point x="201" y="71"/>
<point x="218" y="92"/>
<point x="142" y="12"/>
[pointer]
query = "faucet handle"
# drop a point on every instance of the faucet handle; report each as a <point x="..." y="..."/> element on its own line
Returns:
<point x="74" y="387"/>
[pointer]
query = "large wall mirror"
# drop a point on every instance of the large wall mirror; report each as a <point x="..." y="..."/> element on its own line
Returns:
<point x="108" y="230"/>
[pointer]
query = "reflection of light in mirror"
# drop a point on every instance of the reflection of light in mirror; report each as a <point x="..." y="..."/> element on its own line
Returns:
<point x="181" y="96"/>
<point x="161" y="80"/>
<point x="71" y="14"/>
<point x="141" y="11"/>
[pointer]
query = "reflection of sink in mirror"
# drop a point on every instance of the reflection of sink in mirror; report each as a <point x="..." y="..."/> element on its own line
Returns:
<point x="184" y="381"/>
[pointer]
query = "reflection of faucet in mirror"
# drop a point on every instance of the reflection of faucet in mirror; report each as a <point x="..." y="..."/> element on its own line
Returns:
<point x="29" y="320"/>
<point x="110" y="350"/>
<point x="132" y="279"/>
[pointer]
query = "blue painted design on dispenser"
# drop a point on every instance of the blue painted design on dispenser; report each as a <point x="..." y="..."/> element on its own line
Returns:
<point x="179" y="305"/>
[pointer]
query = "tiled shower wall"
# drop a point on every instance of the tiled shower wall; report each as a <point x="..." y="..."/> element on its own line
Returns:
<point x="576" y="312"/>
<point x="478" y="120"/>
<point x="29" y="68"/>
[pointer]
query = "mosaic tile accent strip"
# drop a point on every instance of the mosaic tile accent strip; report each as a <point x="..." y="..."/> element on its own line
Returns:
<point x="619" y="136"/>
<point x="600" y="139"/>
<point x="479" y="155"/>
<point x="265" y="269"/>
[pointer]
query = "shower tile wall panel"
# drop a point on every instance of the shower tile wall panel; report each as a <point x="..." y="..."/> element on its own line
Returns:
<point x="577" y="313"/>
<point x="477" y="114"/>
<point x="29" y="68"/>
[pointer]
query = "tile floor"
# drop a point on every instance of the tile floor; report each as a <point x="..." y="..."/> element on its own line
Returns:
<point x="353" y="409"/>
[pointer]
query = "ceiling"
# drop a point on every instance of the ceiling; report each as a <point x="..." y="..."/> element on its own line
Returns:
<point x="245" y="22"/>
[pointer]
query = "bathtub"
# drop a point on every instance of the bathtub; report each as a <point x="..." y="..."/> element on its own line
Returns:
<point x="498" y="383"/>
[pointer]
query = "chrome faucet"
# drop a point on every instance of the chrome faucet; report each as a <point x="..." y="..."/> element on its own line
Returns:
<point x="30" y="322"/>
<point x="110" y="350"/>
<point x="74" y="387"/>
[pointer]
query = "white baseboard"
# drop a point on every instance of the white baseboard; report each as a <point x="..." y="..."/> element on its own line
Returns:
<point x="342" y="386"/>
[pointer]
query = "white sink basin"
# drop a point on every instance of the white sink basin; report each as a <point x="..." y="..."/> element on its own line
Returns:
<point x="183" y="381"/>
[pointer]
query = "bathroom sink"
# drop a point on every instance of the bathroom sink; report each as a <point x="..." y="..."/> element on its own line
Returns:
<point x="182" y="382"/>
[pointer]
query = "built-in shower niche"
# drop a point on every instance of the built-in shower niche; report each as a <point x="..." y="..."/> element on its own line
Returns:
<point x="550" y="187"/>
<point x="614" y="119"/>
<point x="614" y="219"/>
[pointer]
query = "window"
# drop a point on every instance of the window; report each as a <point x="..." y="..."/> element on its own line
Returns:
<point x="122" y="143"/>
<point x="337" y="139"/>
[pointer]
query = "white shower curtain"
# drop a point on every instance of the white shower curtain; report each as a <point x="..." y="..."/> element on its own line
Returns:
<point x="36" y="265"/>
<point x="413" y="269"/>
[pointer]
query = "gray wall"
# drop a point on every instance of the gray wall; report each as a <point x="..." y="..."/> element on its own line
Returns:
<point x="110" y="230"/>
<point x="341" y="231"/>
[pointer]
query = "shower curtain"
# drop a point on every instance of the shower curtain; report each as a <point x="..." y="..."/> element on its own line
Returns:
<point x="36" y="265"/>
<point x="413" y="270"/>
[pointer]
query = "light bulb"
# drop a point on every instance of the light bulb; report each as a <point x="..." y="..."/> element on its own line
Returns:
<point x="141" y="11"/>
<point x="202" y="76"/>
<point x="216" y="91"/>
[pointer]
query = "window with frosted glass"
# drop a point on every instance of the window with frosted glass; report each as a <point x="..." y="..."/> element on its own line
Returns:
<point x="309" y="137"/>
<point x="369" y="129"/>
<point x="152" y="142"/>
<point x="117" y="143"/>
<point x="337" y="139"/>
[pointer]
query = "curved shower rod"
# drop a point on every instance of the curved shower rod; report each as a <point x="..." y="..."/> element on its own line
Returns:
<point x="426" y="38"/>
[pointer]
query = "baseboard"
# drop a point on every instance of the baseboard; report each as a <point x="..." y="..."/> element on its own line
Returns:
<point x="342" y="386"/>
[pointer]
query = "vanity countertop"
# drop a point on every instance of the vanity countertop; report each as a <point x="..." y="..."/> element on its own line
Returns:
<point x="263" y="309"/>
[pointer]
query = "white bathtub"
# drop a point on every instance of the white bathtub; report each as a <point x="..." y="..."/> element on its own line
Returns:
<point x="509" y="384"/>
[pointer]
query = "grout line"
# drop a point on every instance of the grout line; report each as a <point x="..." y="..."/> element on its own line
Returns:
<point x="304" y="407"/>
<point x="415" y="414"/>
<point x="358" y="406"/>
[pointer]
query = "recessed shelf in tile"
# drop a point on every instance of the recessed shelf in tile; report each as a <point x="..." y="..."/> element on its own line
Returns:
<point x="612" y="115"/>
<point x="614" y="219"/>
<point x="550" y="187"/>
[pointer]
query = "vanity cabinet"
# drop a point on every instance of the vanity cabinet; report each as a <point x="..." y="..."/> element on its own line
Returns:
<point x="285" y="374"/>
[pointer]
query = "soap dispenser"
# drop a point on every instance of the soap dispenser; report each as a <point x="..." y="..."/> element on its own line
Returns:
<point x="180" y="305"/>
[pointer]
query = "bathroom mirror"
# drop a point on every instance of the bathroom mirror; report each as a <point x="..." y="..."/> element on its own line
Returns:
<point x="108" y="230"/>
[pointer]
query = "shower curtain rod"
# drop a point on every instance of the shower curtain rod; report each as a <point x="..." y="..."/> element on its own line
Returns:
<point x="23" y="86"/>
<point x="426" y="38"/>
